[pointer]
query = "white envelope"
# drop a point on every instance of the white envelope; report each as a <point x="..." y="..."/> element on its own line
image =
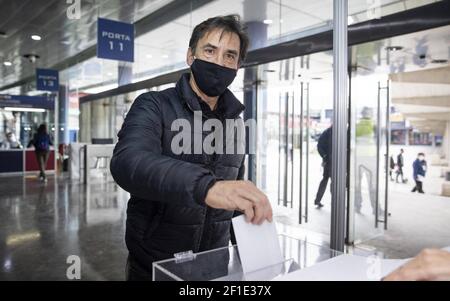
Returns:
<point x="258" y="245"/>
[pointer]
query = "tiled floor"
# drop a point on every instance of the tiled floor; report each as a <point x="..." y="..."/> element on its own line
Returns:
<point x="41" y="224"/>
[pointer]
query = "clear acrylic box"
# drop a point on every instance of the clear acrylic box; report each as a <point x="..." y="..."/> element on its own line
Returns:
<point x="224" y="264"/>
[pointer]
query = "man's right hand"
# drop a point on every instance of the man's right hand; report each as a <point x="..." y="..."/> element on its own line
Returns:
<point x="242" y="196"/>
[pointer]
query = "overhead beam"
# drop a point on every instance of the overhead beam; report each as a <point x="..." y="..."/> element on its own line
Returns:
<point x="430" y="76"/>
<point x="443" y="116"/>
<point x="432" y="101"/>
<point x="409" y="21"/>
<point x="435" y="127"/>
<point x="318" y="40"/>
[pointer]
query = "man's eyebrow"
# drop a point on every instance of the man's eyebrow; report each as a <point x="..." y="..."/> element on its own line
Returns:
<point x="232" y="51"/>
<point x="210" y="45"/>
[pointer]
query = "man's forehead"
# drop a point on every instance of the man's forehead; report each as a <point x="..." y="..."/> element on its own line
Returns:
<point x="219" y="36"/>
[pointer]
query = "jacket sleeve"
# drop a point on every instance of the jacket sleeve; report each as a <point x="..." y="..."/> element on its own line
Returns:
<point x="139" y="167"/>
<point x="322" y="146"/>
<point x="241" y="172"/>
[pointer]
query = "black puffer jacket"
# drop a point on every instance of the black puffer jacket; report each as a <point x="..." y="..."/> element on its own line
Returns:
<point x="166" y="213"/>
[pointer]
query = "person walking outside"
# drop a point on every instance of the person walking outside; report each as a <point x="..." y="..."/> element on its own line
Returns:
<point x="419" y="168"/>
<point x="400" y="164"/>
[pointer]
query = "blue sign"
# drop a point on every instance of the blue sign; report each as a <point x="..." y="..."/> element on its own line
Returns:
<point x="115" y="40"/>
<point x="25" y="101"/>
<point x="47" y="80"/>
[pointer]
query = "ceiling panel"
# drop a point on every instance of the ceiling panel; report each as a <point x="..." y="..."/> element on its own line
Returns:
<point x="61" y="37"/>
<point x="64" y="38"/>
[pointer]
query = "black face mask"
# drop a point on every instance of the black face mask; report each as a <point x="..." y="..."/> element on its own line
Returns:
<point x="212" y="79"/>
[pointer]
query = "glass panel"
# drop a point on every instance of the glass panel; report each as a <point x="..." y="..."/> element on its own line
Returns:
<point x="224" y="264"/>
<point x="103" y="118"/>
<point x="367" y="168"/>
<point x="269" y="131"/>
<point x="18" y="128"/>
<point x="318" y="114"/>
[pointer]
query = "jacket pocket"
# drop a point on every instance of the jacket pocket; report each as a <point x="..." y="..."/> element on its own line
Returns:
<point x="154" y="223"/>
<point x="173" y="238"/>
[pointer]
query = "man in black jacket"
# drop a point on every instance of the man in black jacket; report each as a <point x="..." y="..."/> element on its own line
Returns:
<point x="184" y="200"/>
<point x="324" y="148"/>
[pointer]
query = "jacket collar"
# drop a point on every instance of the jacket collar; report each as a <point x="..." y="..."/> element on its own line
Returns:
<point x="232" y="106"/>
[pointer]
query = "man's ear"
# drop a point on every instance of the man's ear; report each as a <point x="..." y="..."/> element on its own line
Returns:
<point x="189" y="57"/>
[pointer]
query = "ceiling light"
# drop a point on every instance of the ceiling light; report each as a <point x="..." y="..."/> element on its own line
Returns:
<point x="7" y="63"/>
<point x="36" y="37"/>
<point x="165" y="56"/>
<point x="267" y="21"/>
<point x="17" y="109"/>
<point x="394" y="48"/>
<point x="20" y="238"/>
<point x="149" y="56"/>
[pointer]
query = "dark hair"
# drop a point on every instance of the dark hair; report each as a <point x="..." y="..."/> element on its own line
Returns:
<point x="421" y="154"/>
<point x="230" y="23"/>
<point x="42" y="129"/>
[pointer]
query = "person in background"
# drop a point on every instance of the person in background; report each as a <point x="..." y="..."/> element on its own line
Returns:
<point x="429" y="265"/>
<point x="41" y="142"/>
<point x="391" y="167"/>
<point x="419" y="168"/>
<point x="324" y="148"/>
<point x="400" y="164"/>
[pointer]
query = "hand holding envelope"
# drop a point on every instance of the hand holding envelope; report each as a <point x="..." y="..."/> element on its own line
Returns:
<point x="242" y="196"/>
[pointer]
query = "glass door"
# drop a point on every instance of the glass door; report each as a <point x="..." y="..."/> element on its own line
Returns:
<point x="294" y="107"/>
<point x="369" y="157"/>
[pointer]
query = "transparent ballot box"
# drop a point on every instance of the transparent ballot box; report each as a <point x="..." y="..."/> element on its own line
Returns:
<point x="224" y="264"/>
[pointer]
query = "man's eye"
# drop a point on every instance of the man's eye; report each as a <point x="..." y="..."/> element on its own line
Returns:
<point x="231" y="56"/>
<point x="209" y="51"/>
